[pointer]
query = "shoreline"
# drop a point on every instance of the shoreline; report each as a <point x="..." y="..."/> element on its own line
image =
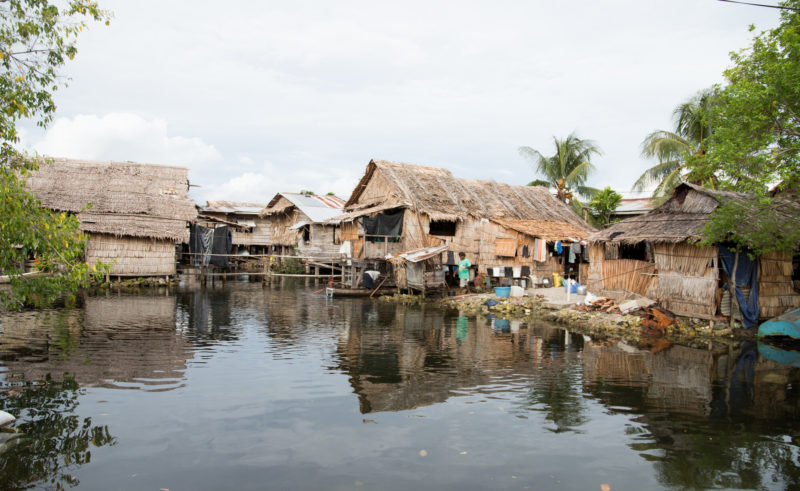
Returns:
<point x="630" y="327"/>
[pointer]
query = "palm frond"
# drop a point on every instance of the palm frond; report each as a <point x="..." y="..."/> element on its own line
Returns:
<point x="656" y="174"/>
<point x="668" y="184"/>
<point x="665" y="145"/>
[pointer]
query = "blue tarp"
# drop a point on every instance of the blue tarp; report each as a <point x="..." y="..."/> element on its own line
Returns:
<point x="746" y="274"/>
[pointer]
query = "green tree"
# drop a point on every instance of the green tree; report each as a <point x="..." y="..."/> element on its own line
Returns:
<point x="756" y="140"/>
<point x="568" y="169"/>
<point x="36" y="40"/>
<point x="603" y="205"/>
<point x="54" y="441"/>
<point x="673" y="148"/>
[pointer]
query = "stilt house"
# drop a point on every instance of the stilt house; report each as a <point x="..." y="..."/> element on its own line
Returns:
<point x="399" y="207"/>
<point x="138" y="212"/>
<point x="249" y="232"/>
<point x="657" y="255"/>
<point x="298" y="220"/>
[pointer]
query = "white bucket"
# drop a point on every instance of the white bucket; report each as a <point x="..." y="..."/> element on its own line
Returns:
<point x="517" y="291"/>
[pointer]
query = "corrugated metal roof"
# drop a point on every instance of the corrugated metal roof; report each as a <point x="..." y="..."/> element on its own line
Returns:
<point x="633" y="206"/>
<point x="417" y="255"/>
<point x="317" y="208"/>
<point x="231" y="207"/>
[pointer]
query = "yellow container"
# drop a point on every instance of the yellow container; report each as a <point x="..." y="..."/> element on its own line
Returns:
<point x="556" y="279"/>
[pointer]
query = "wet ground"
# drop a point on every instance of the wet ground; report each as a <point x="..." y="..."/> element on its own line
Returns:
<point x="244" y="387"/>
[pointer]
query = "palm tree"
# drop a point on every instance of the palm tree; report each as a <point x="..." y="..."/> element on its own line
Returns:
<point x="672" y="148"/>
<point x="568" y="169"/>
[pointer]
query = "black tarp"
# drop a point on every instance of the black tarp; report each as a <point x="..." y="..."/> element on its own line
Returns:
<point x="386" y="223"/>
<point x="746" y="274"/>
<point x="204" y="242"/>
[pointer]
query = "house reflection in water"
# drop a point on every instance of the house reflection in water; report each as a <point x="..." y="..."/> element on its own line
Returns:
<point x="701" y="416"/>
<point x="113" y="341"/>
<point x="401" y="358"/>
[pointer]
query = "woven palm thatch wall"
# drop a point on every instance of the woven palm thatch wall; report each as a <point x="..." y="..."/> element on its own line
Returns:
<point x="284" y="216"/>
<point x="617" y="275"/>
<point x="687" y="279"/>
<point x="775" y="288"/>
<point x="132" y="256"/>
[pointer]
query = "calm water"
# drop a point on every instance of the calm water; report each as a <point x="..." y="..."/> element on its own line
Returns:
<point x="250" y="388"/>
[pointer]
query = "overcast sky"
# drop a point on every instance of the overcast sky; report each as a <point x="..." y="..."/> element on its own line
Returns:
<point x="260" y="97"/>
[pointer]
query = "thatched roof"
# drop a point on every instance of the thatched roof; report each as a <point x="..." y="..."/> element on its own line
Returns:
<point x="679" y="219"/>
<point x="438" y="194"/>
<point x="126" y="199"/>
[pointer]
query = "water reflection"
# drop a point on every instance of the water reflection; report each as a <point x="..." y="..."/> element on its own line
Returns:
<point x="119" y="341"/>
<point x="320" y="391"/>
<point x="53" y="442"/>
<point x="706" y="419"/>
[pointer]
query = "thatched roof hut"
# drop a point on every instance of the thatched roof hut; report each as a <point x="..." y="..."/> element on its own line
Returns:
<point x="656" y="254"/>
<point x="138" y="212"/>
<point x="436" y="193"/>
<point x="680" y="219"/>
<point x="469" y="215"/>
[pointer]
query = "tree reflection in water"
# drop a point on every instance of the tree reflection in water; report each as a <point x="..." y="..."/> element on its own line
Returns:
<point x="54" y="440"/>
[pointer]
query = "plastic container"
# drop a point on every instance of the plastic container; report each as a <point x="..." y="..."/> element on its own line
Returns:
<point x="501" y="325"/>
<point x="517" y="291"/>
<point x="581" y="290"/>
<point x="502" y="291"/>
<point x="557" y="279"/>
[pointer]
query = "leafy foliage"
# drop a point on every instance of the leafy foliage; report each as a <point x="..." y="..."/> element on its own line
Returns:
<point x="672" y="149"/>
<point x="568" y="169"/>
<point x="756" y="139"/>
<point x="760" y="225"/>
<point x="36" y="39"/>
<point x="604" y="204"/>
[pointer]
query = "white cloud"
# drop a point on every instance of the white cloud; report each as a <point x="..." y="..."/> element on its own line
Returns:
<point x="261" y="185"/>
<point x="123" y="137"/>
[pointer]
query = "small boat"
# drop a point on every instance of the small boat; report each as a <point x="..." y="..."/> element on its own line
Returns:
<point x="787" y="324"/>
<point x="361" y="292"/>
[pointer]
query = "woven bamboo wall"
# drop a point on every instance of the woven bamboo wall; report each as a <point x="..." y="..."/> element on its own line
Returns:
<point x="279" y="228"/>
<point x="261" y="234"/>
<point x="775" y="287"/>
<point x="349" y="230"/>
<point x="687" y="278"/>
<point x="594" y="281"/>
<point x="131" y="256"/>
